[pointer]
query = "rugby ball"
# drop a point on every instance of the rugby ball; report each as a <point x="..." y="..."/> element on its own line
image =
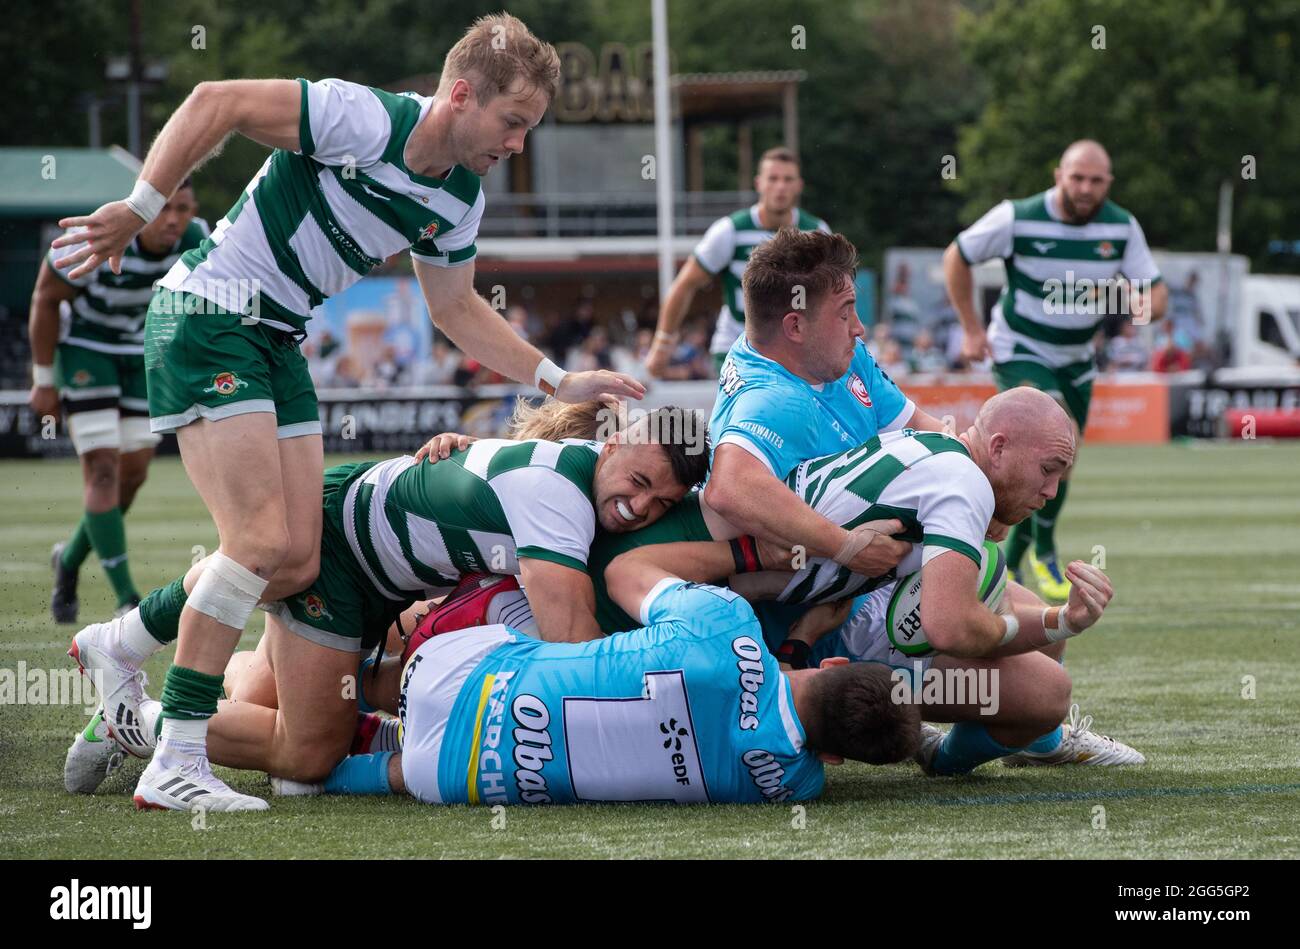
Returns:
<point x="903" y="615"/>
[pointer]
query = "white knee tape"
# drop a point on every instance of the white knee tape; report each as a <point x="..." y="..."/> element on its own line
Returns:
<point x="136" y="434"/>
<point x="227" y="591"/>
<point x="98" y="428"/>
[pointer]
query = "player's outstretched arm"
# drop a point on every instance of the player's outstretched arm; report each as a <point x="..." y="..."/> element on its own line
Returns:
<point x="563" y="601"/>
<point x="484" y="335"/>
<point x="742" y="490"/>
<point x="266" y="110"/>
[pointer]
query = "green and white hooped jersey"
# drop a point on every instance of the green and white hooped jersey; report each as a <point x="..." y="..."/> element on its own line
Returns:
<point x="925" y="479"/>
<point x="417" y="527"/>
<point x="724" y="249"/>
<point x="1044" y="314"/>
<point x="312" y="223"/>
<point x="108" y="315"/>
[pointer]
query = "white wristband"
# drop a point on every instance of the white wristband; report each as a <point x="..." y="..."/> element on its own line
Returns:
<point x="1063" y="629"/>
<point x="548" y="377"/>
<point x="146" y="200"/>
<point x="42" y="375"/>
<point x="1013" y="628"/>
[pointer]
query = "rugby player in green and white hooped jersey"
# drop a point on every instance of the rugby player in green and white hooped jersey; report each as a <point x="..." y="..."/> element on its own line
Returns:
<point x="95" y="366"/>
<point x="1064" y="250"/>
<point x="399" y="531"/>
<point x="724" y="250"/>
<point x="357" y="175"/>
<point x="943" y="491"/>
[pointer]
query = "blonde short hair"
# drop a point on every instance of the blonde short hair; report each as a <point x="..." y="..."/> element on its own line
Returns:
<point x="497" y="52"/>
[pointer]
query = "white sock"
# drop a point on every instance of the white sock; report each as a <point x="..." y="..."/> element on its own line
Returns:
<point x="150" y="709"/>
<point x="181" y="741"/>
<point x="386" y="738"/>
<point x="132" y="640"/>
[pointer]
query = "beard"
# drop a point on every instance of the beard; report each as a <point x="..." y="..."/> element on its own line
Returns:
<point x="1073" y="213"/>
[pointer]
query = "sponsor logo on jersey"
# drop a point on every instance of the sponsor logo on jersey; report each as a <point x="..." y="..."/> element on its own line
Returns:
<point x="490" y="772"/>
<point x="226" y="383"/>
<point x="749" y="660"/>
<point x="82" y="378"/>
<point x="375" y="194"/>
<point x="314" y="607"/>
<point x="859" y="390"/>
<point x="672" y="732"/>
<point x="730" y="381"/>
<point x="1105" y="250"/>
<point x="406" y="681"/>
<point x="766" y="773"/>
<point x="763" y="432"/>
<point x="1043" y="246"/>
<point x="430" y="230"/>
<point x="532" y="748"/>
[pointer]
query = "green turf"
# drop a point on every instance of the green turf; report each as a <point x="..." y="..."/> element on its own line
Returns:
<point x="1202" y="541"/>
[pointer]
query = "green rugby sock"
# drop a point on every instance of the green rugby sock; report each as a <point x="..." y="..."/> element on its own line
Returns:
<point x="1018" y="543"/>
<point x="108" y="536"/>
<point x="189" y="695"/>
<point x="160" y="611"/>
<point x="1045" y="523"/>
<point x="77" y="549"/>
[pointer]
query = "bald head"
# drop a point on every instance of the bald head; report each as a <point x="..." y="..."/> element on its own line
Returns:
<point x="1087" y="151"/>
<point x="1024" y="442"/>
<point x="1023" y="412"/>
<point x="1083" y="180"/>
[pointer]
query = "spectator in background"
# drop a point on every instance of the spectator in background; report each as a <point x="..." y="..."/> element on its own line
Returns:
<point x="517" y="317"/>
<point x="879" y="337"/>
<point x="440" y="368"/>
<point x="594" y="352"/>
<point x="926" y="357"/>
<point x="1170" y="357"/>
<point x="891" y="359"/>
<point x="573" y="332"/>
<point x="1126" y="352"/>
<point x="631" y="360"/>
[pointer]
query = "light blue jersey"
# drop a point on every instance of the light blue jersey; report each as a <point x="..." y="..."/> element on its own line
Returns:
<point x="784" y="420"/>
<point x="691" y="708"/>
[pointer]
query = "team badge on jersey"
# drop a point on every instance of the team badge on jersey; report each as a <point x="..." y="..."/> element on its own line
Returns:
<point x="859" y="390"/>
<point x="314" y="607"/>
<point x="226" y="383"/>
<point x="82" y="378"/>
<point x="428" y="233"/>
<point x="1105" y="250"/>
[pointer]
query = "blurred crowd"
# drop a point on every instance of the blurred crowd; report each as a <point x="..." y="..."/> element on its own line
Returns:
<point x="1120" y="345"/>
<point x="577" y="340"/>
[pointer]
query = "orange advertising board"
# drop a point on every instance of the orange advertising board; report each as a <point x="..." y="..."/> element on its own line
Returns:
<point x="1130" y="412"/>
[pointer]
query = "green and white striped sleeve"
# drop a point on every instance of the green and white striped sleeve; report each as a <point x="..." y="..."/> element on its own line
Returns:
<point x="990" y="236"/>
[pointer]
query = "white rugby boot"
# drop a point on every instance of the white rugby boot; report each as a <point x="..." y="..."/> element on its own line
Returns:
<point x="187" y="786"/>
<point x="94" y="756"/>
<point x="120" y="684"/>
<point x="1079" y="745"/>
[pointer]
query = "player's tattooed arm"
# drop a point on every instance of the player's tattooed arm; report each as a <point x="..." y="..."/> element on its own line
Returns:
<point x="566" y="609"/>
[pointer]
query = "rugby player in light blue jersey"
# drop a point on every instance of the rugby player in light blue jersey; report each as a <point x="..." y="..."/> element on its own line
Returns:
<point x="691" y="708"/>
<point x="800" y="384"/>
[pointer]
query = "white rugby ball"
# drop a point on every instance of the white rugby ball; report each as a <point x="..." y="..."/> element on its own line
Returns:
<point x="903" y="615"/>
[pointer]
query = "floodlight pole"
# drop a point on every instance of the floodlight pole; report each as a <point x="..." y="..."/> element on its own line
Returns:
<point x="663" y="148"/>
